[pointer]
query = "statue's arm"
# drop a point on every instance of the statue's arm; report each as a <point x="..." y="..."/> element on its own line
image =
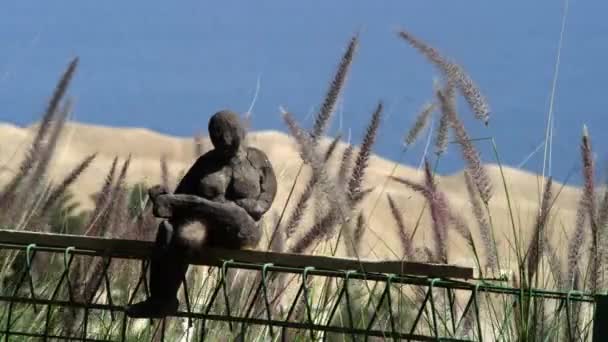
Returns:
<point x="184" y="202"/>
<point x="189" y="181"/>
<point x="187" y="185"/>
<point x="257" y="207"/>
<point x="223" y="213"/>
<point x="168" y="204"/>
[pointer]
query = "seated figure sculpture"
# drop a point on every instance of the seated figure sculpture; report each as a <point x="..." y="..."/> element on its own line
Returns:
<point x="218" y="203"/>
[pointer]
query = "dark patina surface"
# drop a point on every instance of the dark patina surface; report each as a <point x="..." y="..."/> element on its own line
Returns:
<point x="226" y="191"/>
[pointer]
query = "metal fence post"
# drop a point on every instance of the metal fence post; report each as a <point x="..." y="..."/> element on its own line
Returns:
<point x="600" y="318"/>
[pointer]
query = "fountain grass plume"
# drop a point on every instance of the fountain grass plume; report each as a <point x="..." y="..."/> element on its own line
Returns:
<point x="68" y="180"/>
<point x="455" y="74"/>
<point x="537" y="246"/>
<point x="117" y="214"/>
<point x="102" y="201"/>
<point x="332" y="147"/>
<point x="48" y="151"/>
<point x="421" y="122"/>
<point x="585" y="212"/>
<point x="485" y="229"/>
<point x="310" y="157"/>
<point x="323" y="117"/>
<point x="469" y="153"/>
<point x="360" y="196"/>
<point x="589" y="177"/>
<point x="404" y="235"/>
<point x="442" y="134"/>
<point x="302" y="203"/>
<point x="346" y="165"/>
<point x="362" y="160"/>
<point x="33" y="154"/>
<point x="590" y="201"/>
<point x="329" y="103"/>
<point x="322" y="228"/>
<point x="440" y="212"/>
<point x="554" y="262"/>
<point x="359" y="230"/>
<point x="35" y="188"/>
<point x="576" y="240"/>
<point x="602" y="224"/>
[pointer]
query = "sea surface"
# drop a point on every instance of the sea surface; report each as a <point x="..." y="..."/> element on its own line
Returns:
<point x="168" y="65"/>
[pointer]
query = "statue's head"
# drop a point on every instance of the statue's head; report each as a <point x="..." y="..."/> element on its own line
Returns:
<point x="226" y="132"/>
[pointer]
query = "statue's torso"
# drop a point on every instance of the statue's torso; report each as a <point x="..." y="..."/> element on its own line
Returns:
<point x="232" y="181"/>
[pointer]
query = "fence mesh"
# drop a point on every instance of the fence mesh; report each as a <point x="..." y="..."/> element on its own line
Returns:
<point x="77" y="292"/>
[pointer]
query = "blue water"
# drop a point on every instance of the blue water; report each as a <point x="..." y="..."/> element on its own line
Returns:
<point x="168" y="65"/>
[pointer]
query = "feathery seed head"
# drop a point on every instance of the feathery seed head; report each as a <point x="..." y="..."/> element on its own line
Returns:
<point x="421" y="122"/>
<point x="309" y="155"/>
<point x="365" y="151"/>
<point x="454" y="74"/>
<point x="329" y="104"/>
<point x="404" y="234"/>
<point x="469" y="153"/>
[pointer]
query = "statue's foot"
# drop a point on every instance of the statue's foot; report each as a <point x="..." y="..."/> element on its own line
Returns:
<point x="153" y="308"/>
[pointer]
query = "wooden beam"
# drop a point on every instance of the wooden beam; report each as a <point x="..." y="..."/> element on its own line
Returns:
<point x="121" y="248"/>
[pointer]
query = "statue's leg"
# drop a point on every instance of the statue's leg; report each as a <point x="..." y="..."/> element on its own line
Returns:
<point x="227" y="213"/>
<point x="243" y="236"/>
<point x="232" y="226"/>
<point x="167" y="269"/>
<point x="249" y="234"/>
<point x="168" y="265"/>
<point x="232" y="222"/>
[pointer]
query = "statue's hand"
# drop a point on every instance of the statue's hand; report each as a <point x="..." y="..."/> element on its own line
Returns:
<point x="160" y="207"/>
<point x="156" y="191"/>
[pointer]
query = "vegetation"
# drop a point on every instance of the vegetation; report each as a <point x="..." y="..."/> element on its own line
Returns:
<point x="28" y="201"/>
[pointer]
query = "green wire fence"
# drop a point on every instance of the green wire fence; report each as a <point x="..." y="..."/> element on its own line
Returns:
<point x="73" y="288"/>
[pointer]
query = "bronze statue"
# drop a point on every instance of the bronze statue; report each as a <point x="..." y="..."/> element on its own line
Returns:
<point x="225" y="193"/>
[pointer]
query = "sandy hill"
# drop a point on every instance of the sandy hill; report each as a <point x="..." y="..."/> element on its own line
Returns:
<point x="381" y="240"/>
